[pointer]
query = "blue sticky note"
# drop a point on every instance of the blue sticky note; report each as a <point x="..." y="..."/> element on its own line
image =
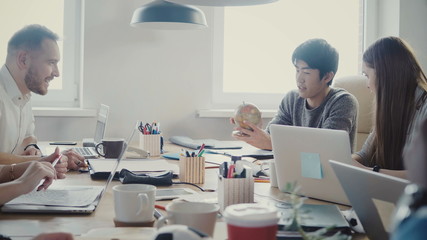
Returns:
<point x="311" y="166"/>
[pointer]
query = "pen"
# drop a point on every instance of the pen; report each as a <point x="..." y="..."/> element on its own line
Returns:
<point x="157" y="214"/>
<point x="201" y="149"/>
<point x="56" y="160"/>
<point x="223" y="169"/>
<point x="230" y="171"/>
<point x="41" y="186"/>
<point x="201" y="153"/>
<point x="262" y="180"/>
<point x="160" y="207"/>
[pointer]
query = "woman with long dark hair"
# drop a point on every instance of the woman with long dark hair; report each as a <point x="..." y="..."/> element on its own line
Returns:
<point x="400" y="88"/>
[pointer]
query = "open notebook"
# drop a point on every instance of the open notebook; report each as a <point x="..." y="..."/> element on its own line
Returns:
<point x="64" y="199"/>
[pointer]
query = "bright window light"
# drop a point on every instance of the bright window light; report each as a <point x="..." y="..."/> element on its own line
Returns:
<point x="258" y="43"/>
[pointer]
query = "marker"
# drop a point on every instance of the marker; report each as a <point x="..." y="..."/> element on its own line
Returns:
<point x="201" y="149"/>
<point x="201" y="153"/>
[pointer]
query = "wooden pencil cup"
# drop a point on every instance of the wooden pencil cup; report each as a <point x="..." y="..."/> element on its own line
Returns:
<point x="150" y="143"/>
<point x="235" y="190"/>
<point x="192" y="169"/>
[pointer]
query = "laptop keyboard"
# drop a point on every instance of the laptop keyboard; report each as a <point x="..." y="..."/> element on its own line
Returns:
<point x="84" y="151"/>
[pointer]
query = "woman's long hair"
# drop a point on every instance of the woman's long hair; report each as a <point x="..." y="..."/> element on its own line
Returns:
<point x="397" y="76"/>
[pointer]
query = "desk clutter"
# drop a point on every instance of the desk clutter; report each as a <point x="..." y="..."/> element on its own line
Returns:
<point x="235" y="184"/>
<point x="150" y="138"/>
<point x="231" y="211"/>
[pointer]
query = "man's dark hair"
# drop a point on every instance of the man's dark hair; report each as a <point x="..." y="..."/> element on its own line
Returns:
<point x="30" y="38"/>
<point x="318" y="54"/>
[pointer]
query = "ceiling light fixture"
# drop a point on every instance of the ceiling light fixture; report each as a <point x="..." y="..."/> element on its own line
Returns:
<point x="223" y="3"/>
<point x="161" y="14"/>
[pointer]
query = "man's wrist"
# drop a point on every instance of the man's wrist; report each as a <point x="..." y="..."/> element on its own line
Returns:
<point x="376" y="168"/>
<point x="31" y="145"/>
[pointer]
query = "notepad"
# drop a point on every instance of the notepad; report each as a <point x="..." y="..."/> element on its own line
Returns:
<point x="209" y="143"/>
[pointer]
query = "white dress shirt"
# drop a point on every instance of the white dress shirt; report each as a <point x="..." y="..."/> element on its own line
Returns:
<point x="16" y="115"/>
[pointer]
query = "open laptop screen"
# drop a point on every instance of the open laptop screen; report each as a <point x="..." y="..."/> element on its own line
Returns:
<point x="101" y="123"/>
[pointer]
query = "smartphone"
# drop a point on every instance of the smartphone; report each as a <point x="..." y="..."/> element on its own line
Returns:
<point x="63" y="143"/>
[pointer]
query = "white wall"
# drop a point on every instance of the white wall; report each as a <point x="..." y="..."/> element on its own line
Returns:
<point x="162" y="76"/>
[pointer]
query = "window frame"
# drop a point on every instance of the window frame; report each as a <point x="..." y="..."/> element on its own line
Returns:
<point x="71" y="60"/>
<point x="222" y="99"/>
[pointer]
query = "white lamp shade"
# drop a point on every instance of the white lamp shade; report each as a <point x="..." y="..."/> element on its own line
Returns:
<point x="167" y="15"/>
<point x="223" y="3"/>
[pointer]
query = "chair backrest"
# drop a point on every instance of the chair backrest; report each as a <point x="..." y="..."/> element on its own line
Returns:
<point x="357" y="86"/>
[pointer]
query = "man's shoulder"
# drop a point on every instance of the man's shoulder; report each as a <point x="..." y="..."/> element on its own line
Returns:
<point x="341" y="95"/>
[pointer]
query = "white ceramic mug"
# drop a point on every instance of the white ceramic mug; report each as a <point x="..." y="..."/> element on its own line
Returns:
<point x="134" y="202"/>
<point x="198" y="215"/>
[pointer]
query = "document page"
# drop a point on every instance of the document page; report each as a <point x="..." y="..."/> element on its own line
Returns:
<point x="68" y="196"/>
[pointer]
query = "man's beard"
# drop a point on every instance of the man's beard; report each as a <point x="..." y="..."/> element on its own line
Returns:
<point x="33" y="83"/>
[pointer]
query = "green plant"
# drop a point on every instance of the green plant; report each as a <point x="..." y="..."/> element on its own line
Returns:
<point x="297" y="215"/>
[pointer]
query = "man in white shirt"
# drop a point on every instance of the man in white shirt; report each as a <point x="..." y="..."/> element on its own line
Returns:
<point x="31" y="63"/>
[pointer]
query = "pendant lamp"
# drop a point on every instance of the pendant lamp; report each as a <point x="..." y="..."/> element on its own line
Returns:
<point x="223" y="3"/>
<point x="161" y="14"/>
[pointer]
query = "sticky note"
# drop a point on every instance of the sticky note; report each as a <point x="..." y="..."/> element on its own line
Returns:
<point x="311" y="166"/>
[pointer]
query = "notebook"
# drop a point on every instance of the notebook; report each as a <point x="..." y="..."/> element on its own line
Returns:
<point x="370" y="194"/>
<point x="209" y="143"/>
<point x="312" y="218"/>
<point x="88" y="149"/>
<point x="301" y="155"/>
<point x="246" y="150"/>
<point x="64" y="199"/>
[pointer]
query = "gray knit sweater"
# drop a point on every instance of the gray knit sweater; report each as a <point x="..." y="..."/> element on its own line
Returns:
<point x="338" y="111"/>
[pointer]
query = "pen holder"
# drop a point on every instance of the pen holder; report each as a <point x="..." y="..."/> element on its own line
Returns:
<point x="235" y="190"/>
<point x="192" y="169"/>
<point x="150" y="143"/>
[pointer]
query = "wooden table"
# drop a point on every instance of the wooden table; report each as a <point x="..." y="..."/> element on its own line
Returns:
<point x="32" y="224"/>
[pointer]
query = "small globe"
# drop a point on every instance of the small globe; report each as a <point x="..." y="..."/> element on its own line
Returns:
<point x="248" y="112"/>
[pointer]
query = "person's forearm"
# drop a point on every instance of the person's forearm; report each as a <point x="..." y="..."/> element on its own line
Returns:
<point x="395" y="173"/>
<point x="25" y="143"/>
<point x="6" y="158"/>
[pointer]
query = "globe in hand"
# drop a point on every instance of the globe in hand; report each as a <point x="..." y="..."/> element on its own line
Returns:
<point x="248" y="112"/>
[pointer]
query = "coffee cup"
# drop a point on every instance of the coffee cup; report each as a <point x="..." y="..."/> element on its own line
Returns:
<point x="111" y="148"/>
<point x="198" y="215"/>
<point x="134" y="205"/>
<point x="251" y="221"/>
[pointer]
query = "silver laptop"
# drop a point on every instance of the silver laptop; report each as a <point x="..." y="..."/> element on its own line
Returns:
<point x="301" y="155"/>
<point x="88" y="149"/>
<point x="373" y="196"/>
<point x="64" y="199"/>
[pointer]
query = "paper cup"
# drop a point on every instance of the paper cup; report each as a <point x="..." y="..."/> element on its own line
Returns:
<point x="251" y="221"/>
